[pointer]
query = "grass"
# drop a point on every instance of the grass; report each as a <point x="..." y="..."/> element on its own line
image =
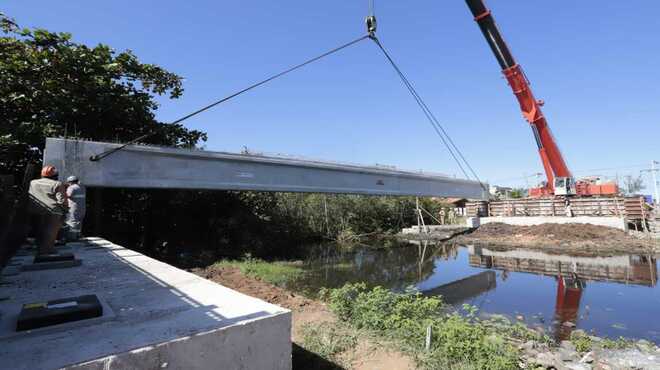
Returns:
<point x="277" y="273"/>
<point x="457" y="342"/>
<point x="581" y="341"/>
<point x="329" y="340"/>
<point x="585" y="343"/>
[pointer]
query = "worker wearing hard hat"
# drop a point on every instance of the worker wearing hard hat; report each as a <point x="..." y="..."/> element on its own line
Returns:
<point x="49" y="203"/>
<point x="76" y="195"/>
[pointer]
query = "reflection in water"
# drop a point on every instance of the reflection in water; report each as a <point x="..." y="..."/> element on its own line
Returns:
<point x="571" y="274"/>
<point x="614" y="296"/>
<point x="461" y="290"/>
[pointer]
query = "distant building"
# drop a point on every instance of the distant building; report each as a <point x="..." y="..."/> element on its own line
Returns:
<point x="458" y="204"/>
<point x="500" y="191"/>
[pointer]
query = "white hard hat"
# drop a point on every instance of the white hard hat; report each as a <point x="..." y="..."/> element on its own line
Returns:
<point x="71" y="179"/>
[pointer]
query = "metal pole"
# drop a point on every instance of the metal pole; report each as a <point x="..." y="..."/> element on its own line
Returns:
<point x="655" y="181"/>
<point x="526" y="180"/>
<point x="419" y="226"/>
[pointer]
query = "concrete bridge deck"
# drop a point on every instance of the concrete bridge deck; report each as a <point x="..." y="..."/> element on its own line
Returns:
<point x="155" y="316"/>
<point x="139" y="166"/>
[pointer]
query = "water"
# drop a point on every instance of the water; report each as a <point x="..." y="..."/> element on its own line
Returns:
<point x="609" y="296"/>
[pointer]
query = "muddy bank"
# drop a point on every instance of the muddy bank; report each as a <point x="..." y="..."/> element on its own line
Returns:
<point x="577" y="239"/>
<point x="367" y="354"/>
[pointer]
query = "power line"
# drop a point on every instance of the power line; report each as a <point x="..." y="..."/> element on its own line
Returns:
<point x="613" y="168"/>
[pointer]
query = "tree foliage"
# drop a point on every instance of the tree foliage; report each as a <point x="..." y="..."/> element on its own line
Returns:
<point x="51" y="86"/>
<point x="633" y="184"/>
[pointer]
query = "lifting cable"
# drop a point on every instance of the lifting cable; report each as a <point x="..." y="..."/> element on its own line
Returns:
<point x="106" y="153"/>
<point x="442" y="133"/>
<point x="371" y="34"/>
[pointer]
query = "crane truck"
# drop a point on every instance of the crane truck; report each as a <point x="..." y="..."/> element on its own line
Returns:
<point x="560" y="181"/>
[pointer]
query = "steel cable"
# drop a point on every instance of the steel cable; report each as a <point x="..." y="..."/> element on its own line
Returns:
<point x="446" y="139"/>
<point x="275" y="76"/>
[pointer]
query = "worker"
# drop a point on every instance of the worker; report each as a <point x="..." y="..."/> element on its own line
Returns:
<point x="451" y="216"/>
<point x="569" y="210"/>
<point x="48" y="198"/>
<point x="76" y="195"/>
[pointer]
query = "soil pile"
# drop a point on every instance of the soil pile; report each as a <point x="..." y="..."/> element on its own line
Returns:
<point x="584" y="239"/>
<point x="233" y="278"/>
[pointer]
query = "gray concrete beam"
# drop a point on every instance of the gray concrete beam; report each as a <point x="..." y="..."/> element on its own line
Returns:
<point x="139" y="166"/>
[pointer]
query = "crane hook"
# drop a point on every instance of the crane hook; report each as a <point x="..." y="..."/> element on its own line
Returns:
<point x="371" y="25"/>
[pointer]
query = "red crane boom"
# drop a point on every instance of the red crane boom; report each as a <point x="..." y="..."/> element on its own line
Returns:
<point x="559" y="178"/>
<point x="553" y="162"/>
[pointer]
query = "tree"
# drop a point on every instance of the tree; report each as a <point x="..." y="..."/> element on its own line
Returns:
<point x="518" y="193"/>
<point x="633" y="185"/>
<point x="53" y="86"/>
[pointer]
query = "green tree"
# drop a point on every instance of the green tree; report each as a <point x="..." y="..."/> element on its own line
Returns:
<point x="518" y="193"/>
<point x="53" y="86"/>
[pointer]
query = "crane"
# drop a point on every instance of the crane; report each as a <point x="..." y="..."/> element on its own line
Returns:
<point x="560" y="181"/>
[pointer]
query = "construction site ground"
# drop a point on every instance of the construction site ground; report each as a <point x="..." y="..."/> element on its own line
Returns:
<point x="577" y="239"/>
<point x="368" y="354"/>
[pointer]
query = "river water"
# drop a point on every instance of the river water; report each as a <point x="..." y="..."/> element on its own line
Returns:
<point x="608" y="296"/>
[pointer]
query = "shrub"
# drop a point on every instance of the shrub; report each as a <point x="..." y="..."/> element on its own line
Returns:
<point x="405" y="317"/>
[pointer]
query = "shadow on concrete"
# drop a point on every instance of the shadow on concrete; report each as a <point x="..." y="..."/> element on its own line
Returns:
<point x="303" y="359"/>
<point x="148" y="303"/>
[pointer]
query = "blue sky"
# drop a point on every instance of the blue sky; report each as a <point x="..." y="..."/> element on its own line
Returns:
<point x="595" y="63"/>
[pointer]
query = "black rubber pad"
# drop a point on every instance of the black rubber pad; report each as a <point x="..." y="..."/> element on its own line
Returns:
<point x="51" y="265"/>
<point x="59" y="311"/>
<point x="53" y="257"/>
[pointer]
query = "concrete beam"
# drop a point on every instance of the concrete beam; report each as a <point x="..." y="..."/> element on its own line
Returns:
<point x="139" y="166"/>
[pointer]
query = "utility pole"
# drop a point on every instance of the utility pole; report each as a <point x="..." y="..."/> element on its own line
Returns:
<point x="655" y="181"/>
<point x="653" y="171"/>
<point x="526" y="181"/>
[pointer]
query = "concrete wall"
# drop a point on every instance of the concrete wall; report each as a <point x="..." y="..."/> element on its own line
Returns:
<point x="255" y="345"/>
<point x="615" y="222"/>
<point x="169" y="168"/>
<point x="155" y="317"/>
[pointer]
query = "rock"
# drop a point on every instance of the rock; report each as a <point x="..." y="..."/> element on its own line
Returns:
<point x="578" y="366"/>
<point x="539" y="329"/>
<point x="529" y="345"/>
<point x="548" y="360"/>
<point x="645" y="345"/>
<point x="567" y="355"/>
<point x="566" y="344"/>
<point x="627" y="359"/>
<point x="545" y="359"/>
<point x="528" y="350"/>
<point x="587" y="358"/>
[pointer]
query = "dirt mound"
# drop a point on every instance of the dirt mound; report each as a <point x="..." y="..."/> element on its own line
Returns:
<point x="562" y="232"/>
<point x="233" y="278"/>
<point x="579" y="239"/>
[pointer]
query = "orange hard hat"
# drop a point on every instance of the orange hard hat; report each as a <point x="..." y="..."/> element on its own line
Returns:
<point x="49" y="171"/>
